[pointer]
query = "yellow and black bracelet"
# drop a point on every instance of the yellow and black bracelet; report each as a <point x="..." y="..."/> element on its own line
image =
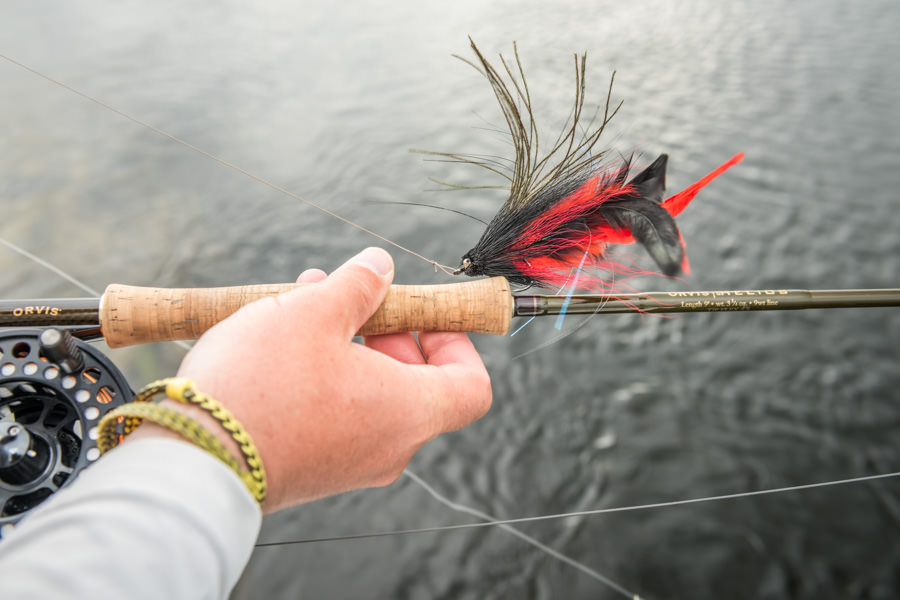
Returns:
<point x="121" y="421"/>
<point x="129" y="416"/>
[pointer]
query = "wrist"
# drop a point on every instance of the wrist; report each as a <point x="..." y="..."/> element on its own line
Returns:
<point x="149" y="429"/>
<point x="186" y="412"/>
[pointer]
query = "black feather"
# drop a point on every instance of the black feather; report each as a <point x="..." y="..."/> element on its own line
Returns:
<point x="652" y="227"/>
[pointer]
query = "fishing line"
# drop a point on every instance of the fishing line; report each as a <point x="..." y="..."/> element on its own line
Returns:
<point x="459" y="212"/>
<point x="530" y="319"/>
<point x="587" y="513"/>
<point x="57" y="271"/>
<point x="523" y="536"/>
<point x="223" y="162"/>
<point x="566" y="334"/>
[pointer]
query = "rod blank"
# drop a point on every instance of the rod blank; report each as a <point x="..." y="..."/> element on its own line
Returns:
<point x="129" y="315"/>
<point x="711" y="301"/>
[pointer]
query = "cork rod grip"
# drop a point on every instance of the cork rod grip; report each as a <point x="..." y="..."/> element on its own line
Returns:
<point x="137" y="315"/>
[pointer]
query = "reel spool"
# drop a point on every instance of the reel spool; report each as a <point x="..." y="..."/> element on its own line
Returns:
<point x="53" y="391"/>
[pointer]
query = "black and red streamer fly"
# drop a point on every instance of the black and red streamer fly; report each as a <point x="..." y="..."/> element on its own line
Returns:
<point x="567" y="207"/>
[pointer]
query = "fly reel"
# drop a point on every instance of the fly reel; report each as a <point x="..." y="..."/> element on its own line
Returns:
<point x="53" y="391"/>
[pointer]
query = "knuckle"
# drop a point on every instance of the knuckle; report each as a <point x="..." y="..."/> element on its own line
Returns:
<point x="389" y="477"/>
<point x="363" y="290"/>
<point x="485" y="393"/>
<point x="358" y="291"/>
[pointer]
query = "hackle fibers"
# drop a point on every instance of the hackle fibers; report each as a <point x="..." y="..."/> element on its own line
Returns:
<point x="566" y="207"/>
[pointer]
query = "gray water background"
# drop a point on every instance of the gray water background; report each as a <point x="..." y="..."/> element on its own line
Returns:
<point x="326" y="98"/>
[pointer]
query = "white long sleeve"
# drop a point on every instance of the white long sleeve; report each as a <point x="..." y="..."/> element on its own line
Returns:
<point x="155" y="518"/>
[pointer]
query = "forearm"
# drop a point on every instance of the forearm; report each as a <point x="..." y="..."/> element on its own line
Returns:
<point x="156" y="518"/>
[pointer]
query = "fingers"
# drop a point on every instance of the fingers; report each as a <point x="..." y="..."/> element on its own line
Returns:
<point x="312" y="276"/>
<point x="463" y="396"/>
<point x="399" y="346"/>
<point x="454" y="381"/>
<point x="446" y="382"/>
<point x="442" y="348"/>
<point x="355" y="290"/>
<point x="350" y="295"/>
<point x="461" y="384"/>
<point x="437" y="348"/>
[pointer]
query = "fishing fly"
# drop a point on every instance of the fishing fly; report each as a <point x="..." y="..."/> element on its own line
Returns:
<point x="566" y="208"/>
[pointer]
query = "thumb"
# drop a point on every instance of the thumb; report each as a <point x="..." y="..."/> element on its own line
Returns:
<point x="356" y="289"/>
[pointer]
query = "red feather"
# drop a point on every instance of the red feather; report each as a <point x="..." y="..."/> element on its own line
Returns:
<point x="563" y="213"/>
<point x="679" y="201"/>
<point x="548" y="239"/>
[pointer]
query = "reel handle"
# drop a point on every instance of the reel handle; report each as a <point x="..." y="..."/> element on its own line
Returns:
<point x="138" y="315"/>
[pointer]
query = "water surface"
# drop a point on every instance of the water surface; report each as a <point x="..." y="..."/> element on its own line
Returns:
<point x="626" y="410"/>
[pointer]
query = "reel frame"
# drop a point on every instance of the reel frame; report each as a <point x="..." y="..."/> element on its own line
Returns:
<point x="54" y="390"/>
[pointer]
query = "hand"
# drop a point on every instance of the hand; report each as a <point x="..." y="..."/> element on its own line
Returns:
<point x="329" y="415"/>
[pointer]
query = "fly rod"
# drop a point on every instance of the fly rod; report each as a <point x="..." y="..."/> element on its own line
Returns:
<point x="127" y="315"/>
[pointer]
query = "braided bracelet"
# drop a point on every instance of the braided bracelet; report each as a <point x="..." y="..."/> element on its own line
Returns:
<point x="119" y="422"/>
<point x="131" y="415"/>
